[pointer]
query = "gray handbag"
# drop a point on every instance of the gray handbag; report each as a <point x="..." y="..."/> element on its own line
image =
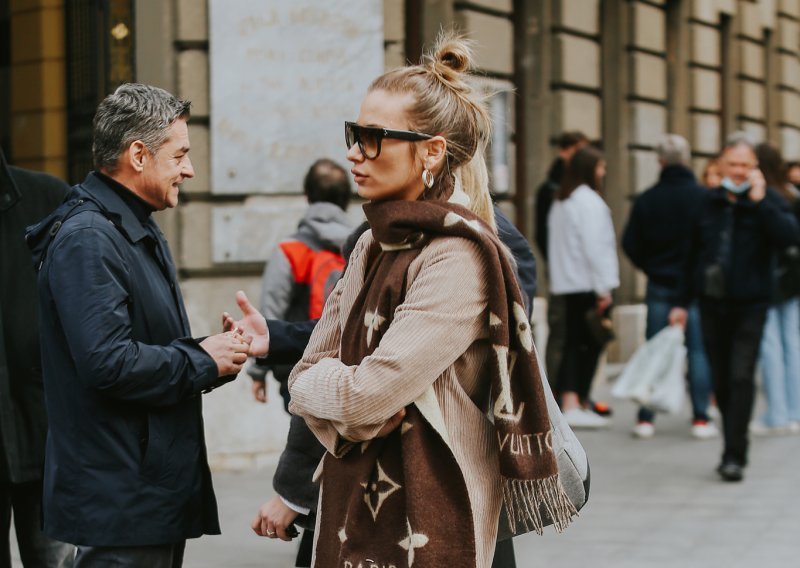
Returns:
<point x="573" y="464"/>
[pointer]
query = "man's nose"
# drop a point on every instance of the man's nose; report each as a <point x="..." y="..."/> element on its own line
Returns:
<point x="188" y="169"/>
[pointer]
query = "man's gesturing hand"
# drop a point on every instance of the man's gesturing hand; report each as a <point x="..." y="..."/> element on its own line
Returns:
<point x="252" y="324"/>
<point x="229" y="351"/>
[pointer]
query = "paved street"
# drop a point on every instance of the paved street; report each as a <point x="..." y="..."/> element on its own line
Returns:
<point x="655" y="503"/>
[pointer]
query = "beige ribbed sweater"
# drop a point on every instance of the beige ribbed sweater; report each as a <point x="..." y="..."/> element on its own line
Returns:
<point x="436" y="340"/>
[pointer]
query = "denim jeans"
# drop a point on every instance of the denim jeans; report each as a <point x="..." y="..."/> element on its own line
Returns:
<point x="660" y="301"/>
<point x="780" y="363"/>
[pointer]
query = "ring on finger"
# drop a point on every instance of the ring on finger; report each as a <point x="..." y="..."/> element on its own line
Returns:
<point x="270" y="533"/>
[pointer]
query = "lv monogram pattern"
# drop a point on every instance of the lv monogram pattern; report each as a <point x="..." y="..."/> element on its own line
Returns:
<point x="402" y="501"/>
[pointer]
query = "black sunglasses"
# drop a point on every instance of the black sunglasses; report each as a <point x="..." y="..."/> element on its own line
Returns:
<point x="369" y="138"/>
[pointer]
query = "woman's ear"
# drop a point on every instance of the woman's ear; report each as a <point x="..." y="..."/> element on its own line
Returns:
<point x="434" y="153"/>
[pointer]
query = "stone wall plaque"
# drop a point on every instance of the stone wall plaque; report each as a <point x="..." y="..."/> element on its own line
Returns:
<point x="284" y="78"/>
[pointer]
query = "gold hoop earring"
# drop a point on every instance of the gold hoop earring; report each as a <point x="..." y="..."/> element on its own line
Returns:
<point x="427" y="178"/>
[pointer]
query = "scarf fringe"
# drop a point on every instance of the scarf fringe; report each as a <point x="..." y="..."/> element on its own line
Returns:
<point x="527" y="500"/>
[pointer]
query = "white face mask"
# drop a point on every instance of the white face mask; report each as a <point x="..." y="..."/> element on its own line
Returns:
<point x="728" y="184"/>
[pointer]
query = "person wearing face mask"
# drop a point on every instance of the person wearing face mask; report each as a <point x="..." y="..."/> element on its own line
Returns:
<point x="735" y="234"/>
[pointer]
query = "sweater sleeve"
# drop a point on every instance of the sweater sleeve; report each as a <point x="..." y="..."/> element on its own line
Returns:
<point x="599" y="243"/>
<point x="430" y="330"/>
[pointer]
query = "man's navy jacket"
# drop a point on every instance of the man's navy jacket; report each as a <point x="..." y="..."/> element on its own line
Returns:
<point x="125" y="460"/>
<point x="656" y="238"/>
<point x="757" y="231"/>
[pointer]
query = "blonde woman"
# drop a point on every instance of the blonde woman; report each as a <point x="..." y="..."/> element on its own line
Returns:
<point x="421" y="379"/>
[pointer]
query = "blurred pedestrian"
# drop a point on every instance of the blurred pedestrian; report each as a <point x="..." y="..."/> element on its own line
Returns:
<point x="25" y="198"/>
<point x="126" y="477"/>
<point x="417" y="367"/>
<point x="780" y="347"/>
<point x="793" y="174"/>
<point x="303" y="268"/>
<point x="735" y="234"/>
<point x="585" y="270"/>
<point x="656" y="240"/>
<point x="568" y="143"/>
<point x="711" y="174"/>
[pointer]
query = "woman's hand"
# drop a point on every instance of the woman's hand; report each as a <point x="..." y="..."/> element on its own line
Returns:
<point x="391" y="424"/>
<point x="252" y="324"/>
<point x="273" y="519"/>
<point x="603" y="303"/>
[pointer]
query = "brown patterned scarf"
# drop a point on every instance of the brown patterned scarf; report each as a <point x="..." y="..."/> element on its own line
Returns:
<point x="402" y="500"/>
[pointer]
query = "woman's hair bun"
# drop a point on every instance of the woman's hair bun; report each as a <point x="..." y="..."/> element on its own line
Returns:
<point x="452" y="54"/>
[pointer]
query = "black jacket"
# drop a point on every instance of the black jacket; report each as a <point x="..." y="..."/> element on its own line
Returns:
<point x="757" y="232"/>
<point x="656" y="237"/>
<point x="126" y="457"/>
<point x="545" y="196"/>
<point x="26" y="197"/>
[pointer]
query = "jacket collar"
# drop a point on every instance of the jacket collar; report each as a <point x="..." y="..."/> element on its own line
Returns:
<point x="9" y="193"/>
<point x="676" y="172"/>
<point x="113" y="203"/>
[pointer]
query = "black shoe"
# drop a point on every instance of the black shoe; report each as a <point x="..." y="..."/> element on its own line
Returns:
<point x="731" y="471"/>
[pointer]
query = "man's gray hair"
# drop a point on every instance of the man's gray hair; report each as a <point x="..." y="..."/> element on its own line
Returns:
<point x="739" y="138"/>
<point x="133" y="112"/>
<point x="673" y="149"/>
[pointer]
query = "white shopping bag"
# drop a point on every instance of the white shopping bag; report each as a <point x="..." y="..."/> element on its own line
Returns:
<point x="654" y="376"/>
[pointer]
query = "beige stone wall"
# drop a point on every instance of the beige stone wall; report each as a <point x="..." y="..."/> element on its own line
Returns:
<point x="623" y="71"/>
<point x="38" y="86"/>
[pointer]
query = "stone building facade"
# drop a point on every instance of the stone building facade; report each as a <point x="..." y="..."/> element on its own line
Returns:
<point x="623" y="71"/>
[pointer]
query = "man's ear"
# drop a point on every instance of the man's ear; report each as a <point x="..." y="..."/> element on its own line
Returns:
<point x="137" y="154"/>
<point x="435" y="152"/>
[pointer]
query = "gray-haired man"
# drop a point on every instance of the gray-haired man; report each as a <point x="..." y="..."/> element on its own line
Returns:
<point x="656" y="240"/>
<point x="126" y="476"/>
<point x="735" y="234"/>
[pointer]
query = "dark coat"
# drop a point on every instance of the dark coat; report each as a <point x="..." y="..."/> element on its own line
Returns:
<point x="656" y="237"/>
<point x="758" y="232"/>
<point x="545" y="195"/>
<point x="26" y="197"/>
<point x="126" y="458"/>
<point x="523" y="256"/>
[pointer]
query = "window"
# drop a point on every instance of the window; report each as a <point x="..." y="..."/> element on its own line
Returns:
<point x="100" y="57"/>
